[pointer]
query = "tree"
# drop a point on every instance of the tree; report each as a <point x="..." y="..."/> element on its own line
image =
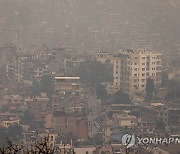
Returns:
<point x="14" y="132"/>
<point x="165" y="79"/>
<point x="5" y="107"/>
<point x="27" y="117"/>
<point x="93" y="73"/>
<point x="176" y="62"/>
<point x="101" y="92"/>
<point x="149" y="89"/>
<point x="38" y="147"/>
<point x="173" y="90"/>
<point x="36" y="89"/>
<point x="160" y="126"/>
<point x="3" y="77"/>
<point x="3" y="136"/>
<point x="47" y="85"/>
<point x="121" y="97"/>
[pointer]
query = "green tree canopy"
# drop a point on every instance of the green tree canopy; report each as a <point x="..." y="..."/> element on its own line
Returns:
<point x="101" y="92"/>
<point x="27" y="117"/>
<point x="173" y="90"/>
<point x="93" y="73"/>
<point x="164" y="80"/>
<point x="5" y="107"/>
<point x="14" y="132"/>
<point x="47" y="85"/>
<point x="36" y="88"/>
<point x="149" y="89"/>
<point x="3" y="77"/>
<point x="121" y="97"/>
<point x="3" y="136"/>
<point x="160" y="126"/>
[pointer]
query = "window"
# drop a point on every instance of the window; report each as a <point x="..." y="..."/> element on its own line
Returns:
<point x="135" y="74"/>
<point x="143" y="80"/>
<point x="143" y="74"/>
<point x="143" y="58"/>
<point x="135" y="57"/>
<point x="142" y="85"/>
<point x="143" y="69"/>
<point x="135" y="63"/>
<point x="135" y="69"/>
<point x="143" y="63"/>
<point x="52" y="137"/>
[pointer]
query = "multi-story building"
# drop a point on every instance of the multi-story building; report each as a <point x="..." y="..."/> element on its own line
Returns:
<point x="29" y="68"/>
<point x="174" y="72"/>
<point x="14" y="99"/>
<point x="66" y="84"/>
<point x="8" y="122"/>
<point x="38" y="103"/>
<point x="154" y="113"/>
<point x="174" y="117"/>
<point x="71" y="63"/>
<point x="133" y="68"/>
<point x="121" y="72"/>
<point x="70" y="123"/>
<point x="145" y="127"/>
<point x="105" y="57"/>
<point x="124" y="120"/>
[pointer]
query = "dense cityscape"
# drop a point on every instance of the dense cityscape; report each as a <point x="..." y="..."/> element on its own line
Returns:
<point x="90" y="77"/>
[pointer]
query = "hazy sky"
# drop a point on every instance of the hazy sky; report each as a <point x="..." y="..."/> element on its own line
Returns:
<point x="91" y="25"/>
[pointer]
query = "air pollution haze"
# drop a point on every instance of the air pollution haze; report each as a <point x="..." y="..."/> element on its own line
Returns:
<point x="90" y="76"/>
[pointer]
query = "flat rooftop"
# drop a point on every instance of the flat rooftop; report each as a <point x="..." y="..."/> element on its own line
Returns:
<point x="67" y="78"/>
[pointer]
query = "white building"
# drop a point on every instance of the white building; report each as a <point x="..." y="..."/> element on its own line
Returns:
<point x="133" y="68"/>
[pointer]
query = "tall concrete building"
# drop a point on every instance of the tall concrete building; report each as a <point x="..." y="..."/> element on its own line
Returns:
<point x="133" y="68"/>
